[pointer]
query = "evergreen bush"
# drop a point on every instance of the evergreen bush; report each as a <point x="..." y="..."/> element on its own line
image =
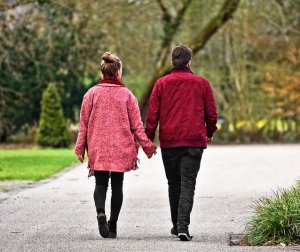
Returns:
<point x="53" y="130"/>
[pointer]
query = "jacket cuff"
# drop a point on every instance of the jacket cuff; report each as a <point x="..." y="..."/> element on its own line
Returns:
<point x="79" y="152"/>
<point x="210" y="135"/>
<point x="149" y="150"/>
<point x="150" y="134"/>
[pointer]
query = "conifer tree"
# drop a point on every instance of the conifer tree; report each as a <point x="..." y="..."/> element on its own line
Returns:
<point x="53" y="130"/>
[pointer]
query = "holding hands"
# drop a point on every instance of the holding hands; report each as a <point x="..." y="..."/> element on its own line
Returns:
<point x="149" y="148"/>
<point x="153" y="153"/>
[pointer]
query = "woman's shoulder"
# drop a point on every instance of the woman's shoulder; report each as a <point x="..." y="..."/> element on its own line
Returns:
<point x="90" y="91"/>
<point x="128" y="91"/>
<point x="123" y="90"/>
<point x="131" y="97"/>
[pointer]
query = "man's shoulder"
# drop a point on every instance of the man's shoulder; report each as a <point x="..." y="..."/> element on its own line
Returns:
<point x="199" y="78"/>
<point x="191" y="76"/>
<point x="163" y="78"/>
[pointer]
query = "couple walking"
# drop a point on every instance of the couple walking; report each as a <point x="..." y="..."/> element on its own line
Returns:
<point x="111" y="129"/>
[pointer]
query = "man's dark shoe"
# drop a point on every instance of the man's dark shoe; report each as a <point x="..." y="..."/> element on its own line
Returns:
<point x="102" y="225"/>
<point x="112" y="226"/>
<point x="184" y="235"/>
<point x="174" y="231"/>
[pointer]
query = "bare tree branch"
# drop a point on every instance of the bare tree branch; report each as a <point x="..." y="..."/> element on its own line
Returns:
<point x="225" y="13"/>
<point x="10" y="90"/>
<point x="164" y="9"/>
<point x="7" y="6"/>
<point x="280" y="2"/>
<point x="171" y="27"/>
<point x="181" y="11"/>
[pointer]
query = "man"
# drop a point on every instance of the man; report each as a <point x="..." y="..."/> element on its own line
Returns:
<point x="184" y="105"/>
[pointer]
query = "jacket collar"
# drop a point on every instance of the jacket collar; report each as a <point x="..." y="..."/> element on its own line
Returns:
<point x="111" y="80"/>
<point x="180" y="69"/>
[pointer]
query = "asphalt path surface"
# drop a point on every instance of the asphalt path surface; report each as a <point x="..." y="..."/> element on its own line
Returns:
<point x="59" y="214"/>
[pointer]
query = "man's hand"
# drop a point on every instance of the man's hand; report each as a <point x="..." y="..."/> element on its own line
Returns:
<point x="80" y="158"/>
<point x="209" y="140"/>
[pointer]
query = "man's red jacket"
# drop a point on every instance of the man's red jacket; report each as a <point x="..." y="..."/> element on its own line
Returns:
<point x="184" y="105"/>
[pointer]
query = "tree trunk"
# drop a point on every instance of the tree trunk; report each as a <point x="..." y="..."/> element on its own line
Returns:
<point x="197" y="44"/>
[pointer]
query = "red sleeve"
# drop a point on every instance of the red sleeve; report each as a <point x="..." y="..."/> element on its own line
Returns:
<point x="86" y="107"/>
<point x="153" y="112"/>
<point x="210" y="110"/>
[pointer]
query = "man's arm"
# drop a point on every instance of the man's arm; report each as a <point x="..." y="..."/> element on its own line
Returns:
<point x="210" y="109"/>
<point x="153" y="112"/>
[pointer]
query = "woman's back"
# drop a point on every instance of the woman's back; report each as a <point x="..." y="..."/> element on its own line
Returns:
<point x="108" y="117"/>
<point x="110" y="123"/>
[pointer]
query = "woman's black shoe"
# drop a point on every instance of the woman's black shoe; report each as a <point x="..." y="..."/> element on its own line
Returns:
<point x="102" y="225"/>
<point x="174" y="231"/>
<point x="112" y="226"/>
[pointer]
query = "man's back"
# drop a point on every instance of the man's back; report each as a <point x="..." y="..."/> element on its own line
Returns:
<point x="184" y="105"/>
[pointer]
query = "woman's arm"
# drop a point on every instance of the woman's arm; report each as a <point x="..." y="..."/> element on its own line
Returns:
<point x="85" y="111"/>
<point x="137" y="127"/>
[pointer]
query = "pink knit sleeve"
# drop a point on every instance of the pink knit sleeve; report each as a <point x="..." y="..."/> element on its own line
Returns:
<point x="86" y="107"/>
<point x="137" y="126"/>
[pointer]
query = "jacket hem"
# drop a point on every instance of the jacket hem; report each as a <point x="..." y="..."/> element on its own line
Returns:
<point x="183" y="143"/>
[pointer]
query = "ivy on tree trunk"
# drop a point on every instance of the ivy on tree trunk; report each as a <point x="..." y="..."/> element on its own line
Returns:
<point x="171" y="27"/>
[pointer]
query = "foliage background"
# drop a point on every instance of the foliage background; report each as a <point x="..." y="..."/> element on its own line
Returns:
<point x="252" y="61"/>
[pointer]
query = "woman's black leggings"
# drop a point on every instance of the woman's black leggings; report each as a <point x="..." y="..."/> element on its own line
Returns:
<point x="102" y="178"/>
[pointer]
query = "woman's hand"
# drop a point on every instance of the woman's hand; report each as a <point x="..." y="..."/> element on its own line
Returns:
<point x="80" y="158"/>
<point x="153" y="153"/>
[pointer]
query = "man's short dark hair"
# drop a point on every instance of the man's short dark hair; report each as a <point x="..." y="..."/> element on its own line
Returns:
<point x="181" y="55"/>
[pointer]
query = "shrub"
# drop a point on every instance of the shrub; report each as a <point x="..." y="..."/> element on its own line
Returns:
<point x="53" y="130"/>
<point x="276" y="219"/>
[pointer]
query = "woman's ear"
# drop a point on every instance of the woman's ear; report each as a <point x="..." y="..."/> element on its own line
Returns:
<point x="189" y="64"/>
<point x="119" y="73"/>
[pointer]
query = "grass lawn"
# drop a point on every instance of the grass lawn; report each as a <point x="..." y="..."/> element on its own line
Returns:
<point x="34" y="164"/>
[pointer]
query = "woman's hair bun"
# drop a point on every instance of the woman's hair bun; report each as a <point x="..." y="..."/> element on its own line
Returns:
<point x="108" y="57"/>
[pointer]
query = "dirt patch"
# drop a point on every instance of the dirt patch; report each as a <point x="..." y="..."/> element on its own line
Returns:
<point x="6" y="186"/>
<point x="235" y="239"/>
<point x="13" y="146"/>
<point x="9" y="187"/>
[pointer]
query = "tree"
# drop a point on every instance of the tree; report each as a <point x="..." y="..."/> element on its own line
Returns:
<point x="8" y="98"/>
<point x="41" y="44"/>
<point x="52" y="131"/>
<point x="47" y="41"/>
<point x="8" y="6"/>
<point x="253" y="65"/>
<point x="171" y="25"/>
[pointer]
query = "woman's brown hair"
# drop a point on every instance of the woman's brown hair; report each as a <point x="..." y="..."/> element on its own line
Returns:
<point x="110" y="64"/>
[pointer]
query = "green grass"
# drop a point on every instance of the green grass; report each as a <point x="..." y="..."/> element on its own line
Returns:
<point x="276" y="219"/>
<point x="33" y="164"/>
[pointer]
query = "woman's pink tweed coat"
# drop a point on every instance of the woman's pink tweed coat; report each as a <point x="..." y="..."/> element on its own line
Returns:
<point x="109" y="124"/>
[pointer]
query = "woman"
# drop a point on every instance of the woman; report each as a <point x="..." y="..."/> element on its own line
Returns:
<point x="109" y="129"/>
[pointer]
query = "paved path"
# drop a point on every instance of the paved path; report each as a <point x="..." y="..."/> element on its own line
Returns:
<point x="60" y="216"/>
